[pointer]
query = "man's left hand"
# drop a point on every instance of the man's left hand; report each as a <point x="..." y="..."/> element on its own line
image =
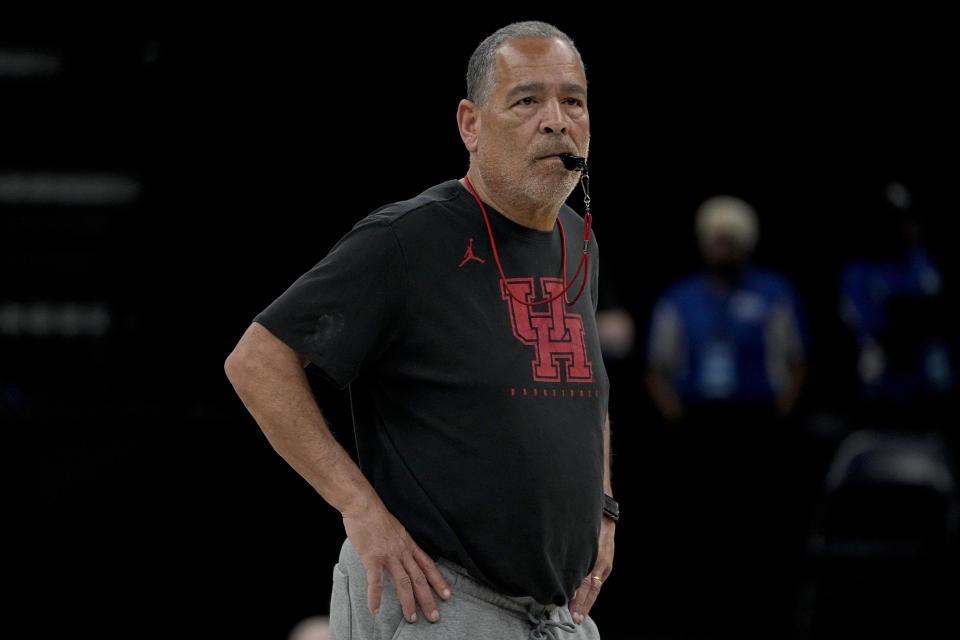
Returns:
<point x="586" y="594"/>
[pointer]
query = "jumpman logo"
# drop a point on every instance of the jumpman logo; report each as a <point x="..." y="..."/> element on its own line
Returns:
<point x="468" y="256"/>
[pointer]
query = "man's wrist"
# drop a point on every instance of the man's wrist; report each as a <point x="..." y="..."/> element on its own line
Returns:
<point x="361" y="503"/>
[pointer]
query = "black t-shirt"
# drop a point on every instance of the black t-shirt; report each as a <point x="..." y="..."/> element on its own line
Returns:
<point x="479" y="421"/>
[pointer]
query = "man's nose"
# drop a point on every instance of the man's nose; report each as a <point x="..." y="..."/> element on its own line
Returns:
<point x="553" y="120"/>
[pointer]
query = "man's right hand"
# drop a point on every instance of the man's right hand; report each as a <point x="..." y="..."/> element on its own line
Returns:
<point x="385" y="546"/>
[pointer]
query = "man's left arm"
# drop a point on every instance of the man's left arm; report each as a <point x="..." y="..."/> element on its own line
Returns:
<point x="586" y="594"/>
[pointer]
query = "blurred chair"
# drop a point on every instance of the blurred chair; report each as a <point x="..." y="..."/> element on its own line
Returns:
<point x="881" y="555"/>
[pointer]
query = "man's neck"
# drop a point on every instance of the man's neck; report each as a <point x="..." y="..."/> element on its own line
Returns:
<point x="727" y="277"/>
<point x="539" y="217"/>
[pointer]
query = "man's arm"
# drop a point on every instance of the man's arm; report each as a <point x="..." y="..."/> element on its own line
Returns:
<point x="270" y="380"/>
<point x="663" y="359"/>
<point x="586" y="594"/>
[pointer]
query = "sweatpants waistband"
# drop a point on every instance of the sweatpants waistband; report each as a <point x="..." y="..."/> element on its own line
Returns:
<point x="465" y="583"/>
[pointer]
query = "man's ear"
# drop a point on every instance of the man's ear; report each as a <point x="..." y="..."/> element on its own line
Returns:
<point x="468" y="120"/>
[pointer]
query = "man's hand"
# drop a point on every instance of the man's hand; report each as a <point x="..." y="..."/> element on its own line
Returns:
<point x="384" y="545"/>
<point x="586" y="594"/>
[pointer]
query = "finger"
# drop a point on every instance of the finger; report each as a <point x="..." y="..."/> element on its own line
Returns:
<point x="576" y="603"/>
<point x="421" y="589"/>
<point x="374" y="589"/>
<point x="434" y="577"/>
<point x="404" y="586"/>
<point x="588" y="591"/>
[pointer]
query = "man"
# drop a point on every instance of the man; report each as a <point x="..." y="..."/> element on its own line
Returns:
<point x="726" y="356"/>
<point x="480" y="418"/>
<point x="892" y="300"/>
<point x="731" y="338"/>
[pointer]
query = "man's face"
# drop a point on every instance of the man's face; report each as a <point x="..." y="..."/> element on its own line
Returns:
<point x="721" y="250"/>
<point x="537" y="108"/>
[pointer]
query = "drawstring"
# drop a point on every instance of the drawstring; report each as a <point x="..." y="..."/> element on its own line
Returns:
<point x="545" y="628"/>
<point x="584" y="259"/>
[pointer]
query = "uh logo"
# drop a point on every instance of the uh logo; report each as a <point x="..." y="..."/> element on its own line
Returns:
<point x="555" y="334"/>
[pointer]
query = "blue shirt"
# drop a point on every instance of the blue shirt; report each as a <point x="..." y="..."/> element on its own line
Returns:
<point x="728" y="345"/>
<point x="868" y="292"/>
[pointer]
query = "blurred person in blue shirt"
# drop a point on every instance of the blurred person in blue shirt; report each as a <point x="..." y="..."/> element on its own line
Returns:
<point x="893" y="302"/>
<point x="726" y="361"/>
<point x="732" y="336"/>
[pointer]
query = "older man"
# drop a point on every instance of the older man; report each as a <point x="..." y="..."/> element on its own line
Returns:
<point x="478" y="391"/>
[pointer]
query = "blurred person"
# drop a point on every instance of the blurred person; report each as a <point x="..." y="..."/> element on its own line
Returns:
<point x="726" y="357"/>
<point x="892" y="301"/>
<point x="732" y="336"/>
<point x="617" y="332"/>
<point x="313" y="628"/>
<point x="480" y="416"/>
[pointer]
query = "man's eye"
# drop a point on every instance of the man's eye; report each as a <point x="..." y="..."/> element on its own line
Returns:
<point x="525" y="101"/>
<point x="575" y="102"/>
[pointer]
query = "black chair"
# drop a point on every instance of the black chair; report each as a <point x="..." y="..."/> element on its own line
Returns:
<point x="881" y="551"/>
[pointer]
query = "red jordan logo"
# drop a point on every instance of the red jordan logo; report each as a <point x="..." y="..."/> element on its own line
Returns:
<point x="468" y="256"/>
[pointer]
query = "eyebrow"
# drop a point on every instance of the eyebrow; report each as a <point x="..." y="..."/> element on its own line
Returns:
<point x="537" y="87"/>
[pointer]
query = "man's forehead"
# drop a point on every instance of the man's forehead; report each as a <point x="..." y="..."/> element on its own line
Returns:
<point x="526" y="58"/>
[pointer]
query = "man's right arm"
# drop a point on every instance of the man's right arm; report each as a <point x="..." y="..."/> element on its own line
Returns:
<point x="269" y="378"/>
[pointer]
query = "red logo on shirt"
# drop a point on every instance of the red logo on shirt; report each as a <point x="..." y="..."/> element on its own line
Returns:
<point x="555" y="334"/>
<point x="468" y="256"/>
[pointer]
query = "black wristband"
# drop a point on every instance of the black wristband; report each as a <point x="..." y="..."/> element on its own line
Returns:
<point x="610" y="508"/>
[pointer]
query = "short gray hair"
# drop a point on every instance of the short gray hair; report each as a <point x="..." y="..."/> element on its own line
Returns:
<point x="480" y="67"/>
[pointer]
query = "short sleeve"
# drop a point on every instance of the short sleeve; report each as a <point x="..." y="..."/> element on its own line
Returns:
<point x="343" y="313"/>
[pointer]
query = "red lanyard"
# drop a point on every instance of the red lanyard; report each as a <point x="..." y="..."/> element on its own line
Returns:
<point x="584" y="259"/>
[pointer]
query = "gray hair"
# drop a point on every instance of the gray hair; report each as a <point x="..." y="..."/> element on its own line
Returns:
<point x="480" y="67"/>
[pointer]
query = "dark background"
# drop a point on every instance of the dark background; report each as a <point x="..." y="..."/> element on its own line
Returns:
<point x="141" y="499"/>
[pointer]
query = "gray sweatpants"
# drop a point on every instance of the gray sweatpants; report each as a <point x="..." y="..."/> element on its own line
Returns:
<point x="473" y="612"/>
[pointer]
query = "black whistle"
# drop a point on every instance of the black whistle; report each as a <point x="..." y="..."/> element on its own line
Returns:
<point x="572" y="162"/>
